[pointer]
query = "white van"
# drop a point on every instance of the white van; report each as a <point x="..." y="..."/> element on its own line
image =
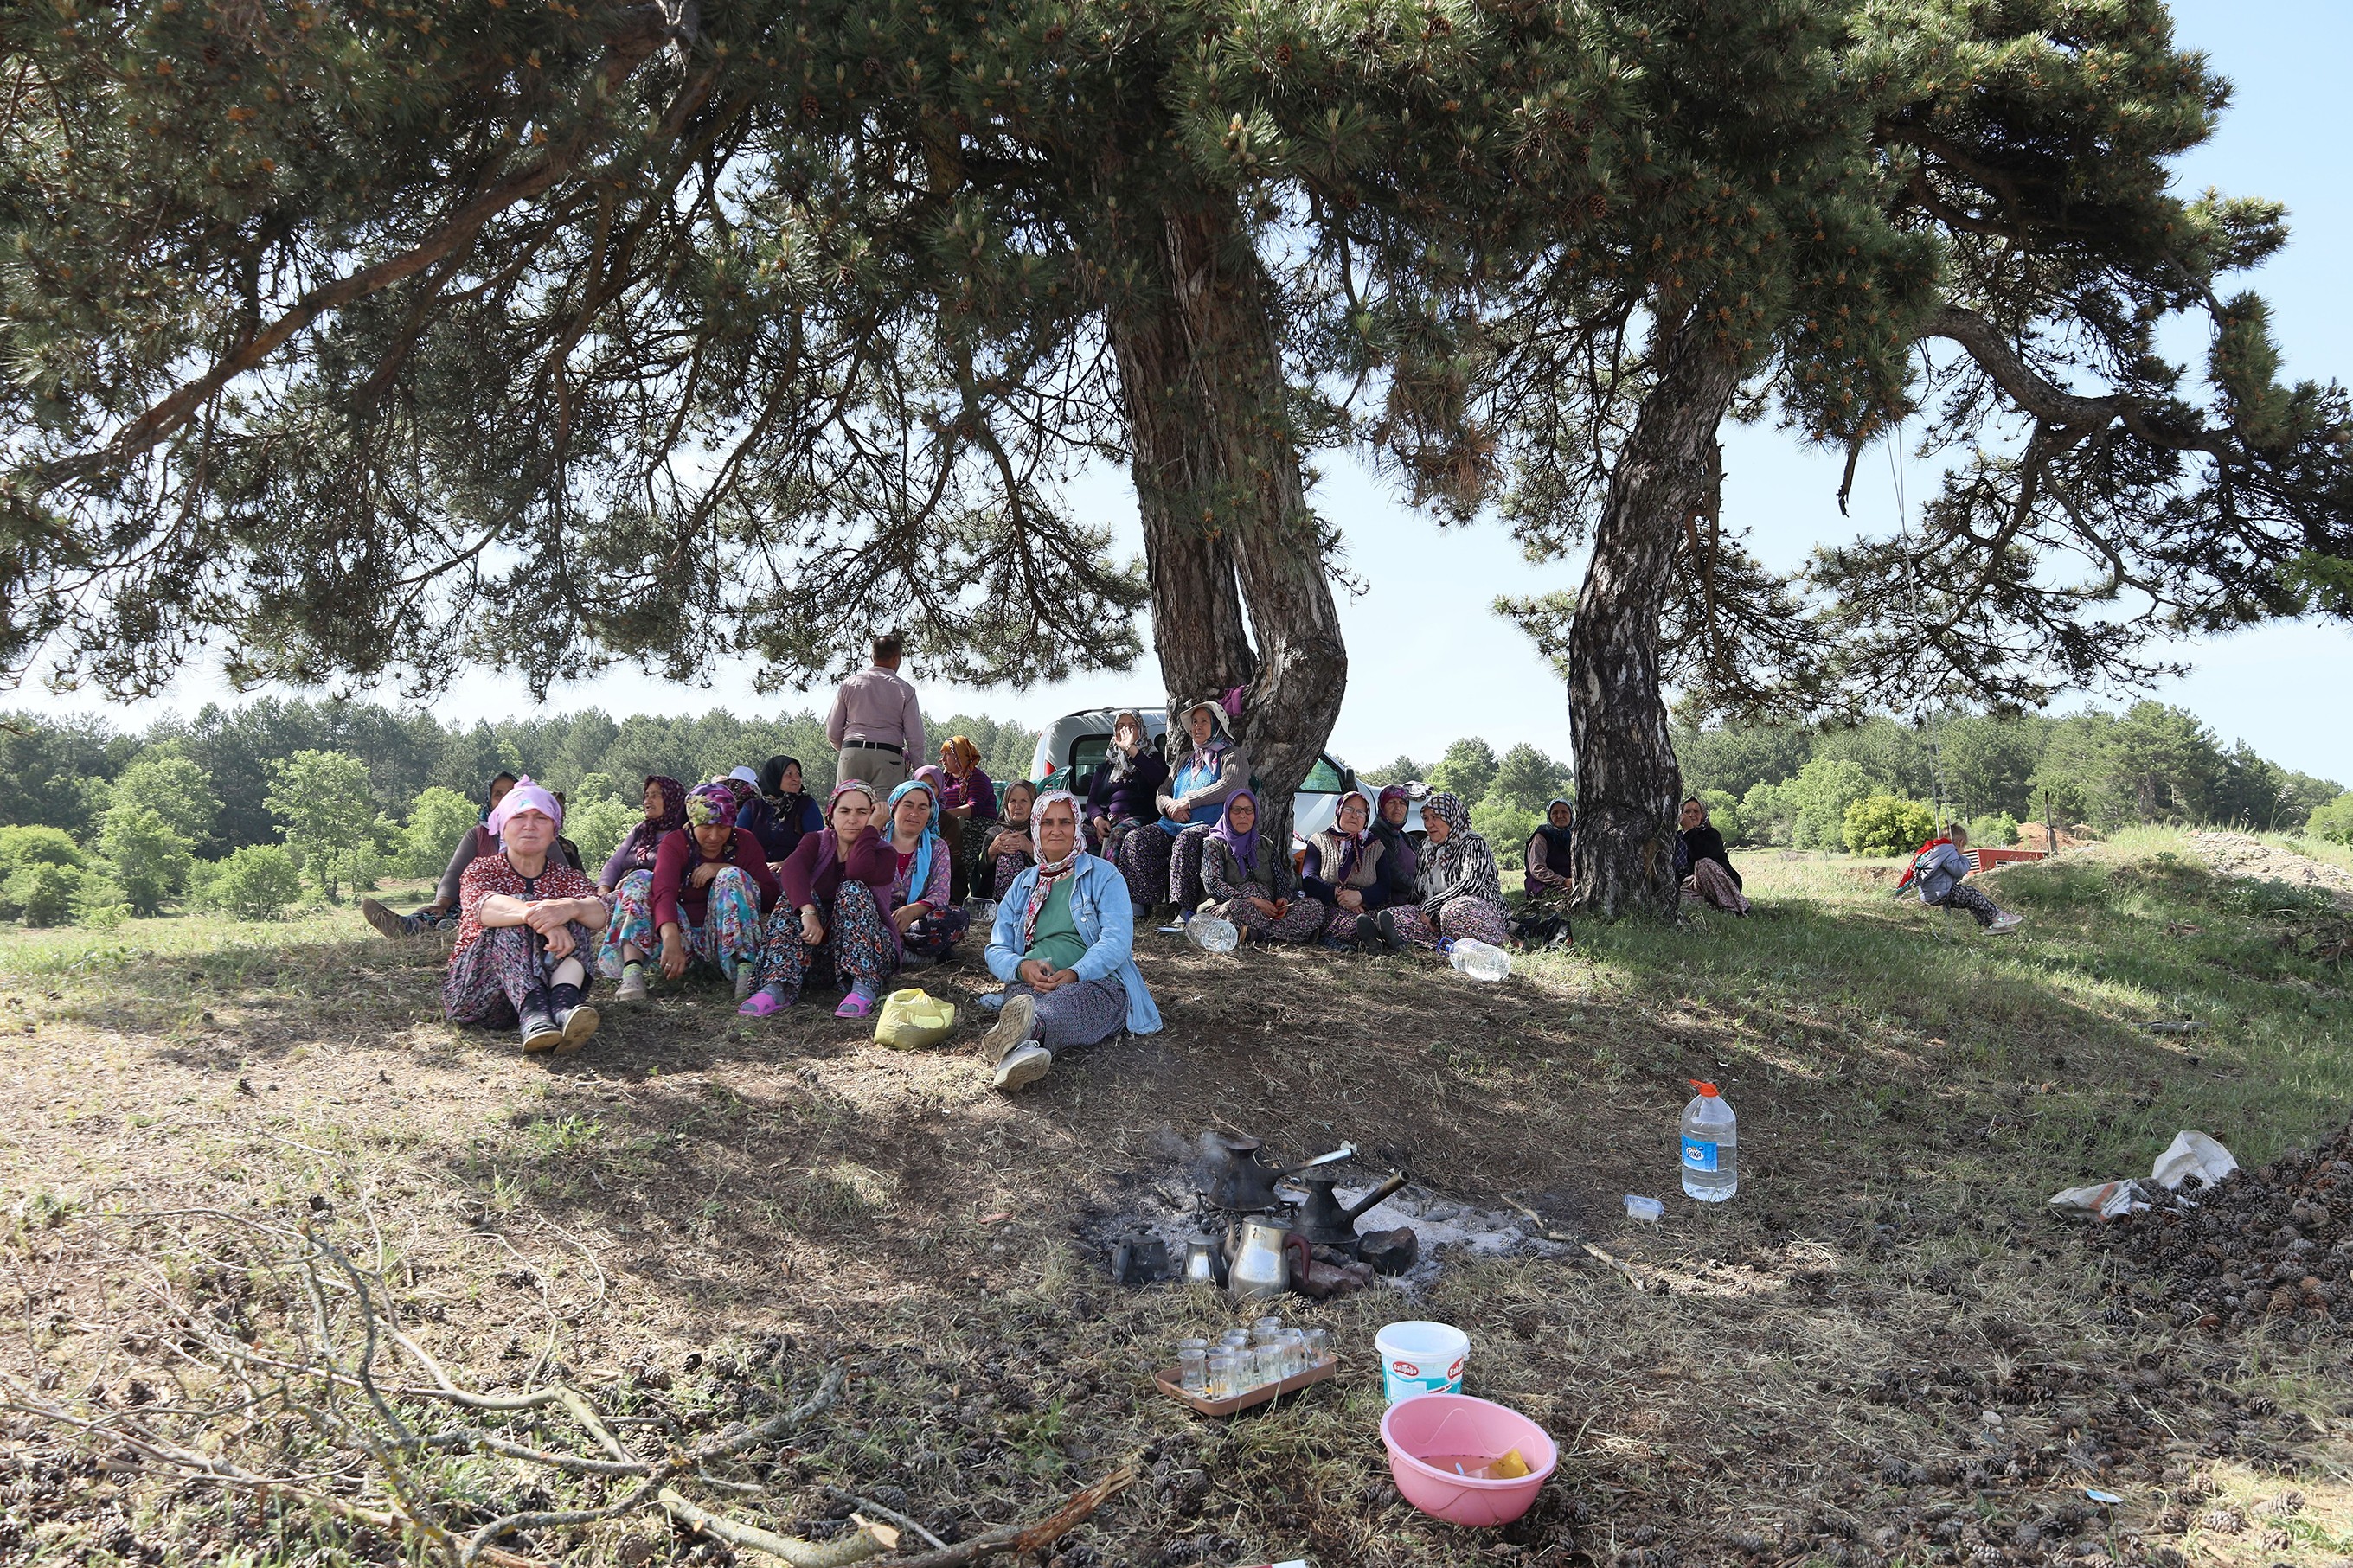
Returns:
<point x="1073" y="747"/>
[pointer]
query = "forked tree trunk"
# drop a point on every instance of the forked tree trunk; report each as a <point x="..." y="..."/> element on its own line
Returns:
<point x="1218" y="482"/>
<point x="1628" y="787"/>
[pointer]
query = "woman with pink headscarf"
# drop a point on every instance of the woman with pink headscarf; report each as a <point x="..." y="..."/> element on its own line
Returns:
<point x="526" y="922"/>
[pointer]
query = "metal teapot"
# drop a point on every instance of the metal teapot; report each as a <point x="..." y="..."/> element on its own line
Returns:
<point x="1246" y="1181"/>
<point x="1263" y="1258"/>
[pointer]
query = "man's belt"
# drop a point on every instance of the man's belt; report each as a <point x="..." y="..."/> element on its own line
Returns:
<point x="895" y="751"/>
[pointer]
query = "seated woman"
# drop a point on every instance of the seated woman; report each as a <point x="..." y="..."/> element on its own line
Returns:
<point x="832" y="915"/>
<point x="967" y="804"/>
<point x="925" y="919"/>
<point x="1342" y="873"/>
<point x="1165" y="865"/>
<point x="1937" y="869"/>
<point x="703" y="900"/>
<point x="1125" y="788"/>
<point x="1458" y="890"/>
<point x="1551" y="859"/>
<point x="1252" y="883"/>
<point x="1707" y="870"/>
<point x="1400" y="855"/>
<point x="524" y="927"/>
<point x="665" y="814"/>
<point x="475" y="842"/>
<point x="779" y="813"/>
<point x="1008" y="850"/>
<point x="1064" y="941"/>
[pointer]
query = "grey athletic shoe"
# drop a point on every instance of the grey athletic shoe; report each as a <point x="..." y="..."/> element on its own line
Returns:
<point x="743" y="979"/>
<point x="2005" y="923"/>
<point x="1030" y="1062"/>
<point x="632" y="988"/>
<point x="1016" y="1024"/>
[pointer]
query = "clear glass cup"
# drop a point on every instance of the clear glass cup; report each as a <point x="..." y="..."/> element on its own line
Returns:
<point x="1224" y="1381"/>
<point x="1264" y="1330"/>
<point x="1294" y="1352"/>
<point x="1270" y="1361"/>
<point x="1193" y="1365"/>
<point x="1235" y="1339"/>
<point x="1315" y="1347"/>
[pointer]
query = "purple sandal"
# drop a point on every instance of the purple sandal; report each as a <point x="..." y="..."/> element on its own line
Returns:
<point x="761" y="1003"/>
<point x="858" y="1003"/>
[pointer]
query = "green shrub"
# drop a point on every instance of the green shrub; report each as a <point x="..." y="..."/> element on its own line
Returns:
<point x="149" y="861"/>
<point x="1995" y="832"/>
<point x="598" y="826"/>
<point x="1768" y="813"/>
<point x="1724" y="815"/>
<point x="1820" y="793"/>
<point x="1888" y="825"/>
<point x="436" y="819"/>
<point x="2333" y="821"/>
<point x="1506" y="828"/>
<point x="256" y="883"/>
<point x="30" y="845"/>
<point x="101" y="904"/>
<point x="41" y="892"/>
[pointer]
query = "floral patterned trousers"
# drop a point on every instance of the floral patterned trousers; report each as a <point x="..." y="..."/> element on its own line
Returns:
<point x="1301" y="921"/>
<point x="1457" y="917"/>
<point x="857" y="944"/>
<point x="490" y="981"/>
<point x="728" y="936"/>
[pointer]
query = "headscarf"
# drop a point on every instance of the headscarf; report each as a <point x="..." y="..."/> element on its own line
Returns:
<point x="1121" y="761"/>
<point x="1352" y="845"/>
<point x="1205" y="755"/>
<point x="924" y="841"/>
<point x="1389" y="793"/>
<point x="1243" y="844"/>
<point x="772" y="778"/>
<point x="527" y="795"/>
<point x="1465" y="866"/>
<point x="1049" y="871"/>
<point x="962" y="754"/>
<point x="829" y="850"/>
<point x="742" y="772"/>
<point x="673" y="812"/>
<point x="490" y="789"/>
<point x="1558" y="837"/>
<point x="711" y="806"/>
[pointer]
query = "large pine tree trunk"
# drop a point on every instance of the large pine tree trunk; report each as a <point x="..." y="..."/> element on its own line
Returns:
<point x="1225" y="515"/>
<point x="1628" y="787"/>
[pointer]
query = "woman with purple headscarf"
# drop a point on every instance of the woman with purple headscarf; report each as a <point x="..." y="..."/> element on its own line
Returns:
<point x="1250" y="881"/>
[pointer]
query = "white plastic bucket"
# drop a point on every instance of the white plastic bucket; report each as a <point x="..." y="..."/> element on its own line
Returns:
<point x="1419" y="1358"/>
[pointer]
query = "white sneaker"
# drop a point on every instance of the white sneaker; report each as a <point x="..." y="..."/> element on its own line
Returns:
<point x="632" y="988"/>
<point x="743" y="979"/>
<point x="1017" y="1021"/>
<point x="2004" y="923"/>
<point x="1030" y="1062"/>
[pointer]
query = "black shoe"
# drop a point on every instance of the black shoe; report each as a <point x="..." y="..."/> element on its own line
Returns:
<point x="1385" y="927"/>
<point x="1368" y="934"/>
<point x="540" y="1032"/>
<point x="577" y="1023"/>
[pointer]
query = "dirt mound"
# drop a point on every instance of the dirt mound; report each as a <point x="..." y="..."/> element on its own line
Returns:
<point x="2273" y="1245"/>
<point x="2239" y="855"/>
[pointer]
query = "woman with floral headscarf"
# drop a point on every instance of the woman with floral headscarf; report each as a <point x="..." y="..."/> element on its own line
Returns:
<point x="665" y="814"/>
<point x="1342" y="871"/>
<point x="1064" y="943"/>
<point x="1458" y="890"/>
<point x="834" y="912"/>
<point x="1165" y="864"/>
<point x="1007" y="848"/>
<point x="702" y="900"/>
<point x="1122" y="794"/>
<point x="967" y="804"/>
<point x="926" y="918"/>
<point x="525" y="924"/>
<point x="1246" y="879"/>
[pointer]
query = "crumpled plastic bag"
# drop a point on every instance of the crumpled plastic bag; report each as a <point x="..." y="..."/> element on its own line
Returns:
<point x="2189" y="1154"/>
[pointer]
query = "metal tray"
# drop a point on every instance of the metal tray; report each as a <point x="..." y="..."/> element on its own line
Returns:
<point x="1265" y="1394"/>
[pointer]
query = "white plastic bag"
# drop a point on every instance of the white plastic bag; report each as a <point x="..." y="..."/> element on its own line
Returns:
<point x="2102" y="1200"/>
<point x="2192" y="1154"/>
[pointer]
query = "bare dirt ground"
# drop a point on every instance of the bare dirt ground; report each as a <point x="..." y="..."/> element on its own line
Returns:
<point x="1883" y="1350"/>
<point x="2243" y="856"/>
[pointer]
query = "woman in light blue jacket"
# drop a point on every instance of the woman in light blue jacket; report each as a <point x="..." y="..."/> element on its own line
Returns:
<point x="1064" y="941"/>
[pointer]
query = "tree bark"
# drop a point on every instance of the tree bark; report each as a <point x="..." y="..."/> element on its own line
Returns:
<point x="1628" y="787"/>
<point x="1219" y="483"/>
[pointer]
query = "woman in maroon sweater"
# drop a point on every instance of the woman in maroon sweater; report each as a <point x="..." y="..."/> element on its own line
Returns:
<point x="710" y="887"/>
<point x="837" y="886"/>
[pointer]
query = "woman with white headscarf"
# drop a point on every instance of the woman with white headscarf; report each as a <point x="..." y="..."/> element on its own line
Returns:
<point x="1064" y="941"/>
<point x="526" y="924"/>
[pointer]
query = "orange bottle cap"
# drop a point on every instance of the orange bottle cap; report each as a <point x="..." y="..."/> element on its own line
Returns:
<point x="1707" y="1089"/>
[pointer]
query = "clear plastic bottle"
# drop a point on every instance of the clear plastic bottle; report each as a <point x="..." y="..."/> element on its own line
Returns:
<point x="1711" y="1147"/>
<point x="1479" y="960"/>
<point x="1212" y="934"/>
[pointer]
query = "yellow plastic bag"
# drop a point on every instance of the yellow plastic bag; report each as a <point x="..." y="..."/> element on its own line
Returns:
<point x="912" y="1020"/>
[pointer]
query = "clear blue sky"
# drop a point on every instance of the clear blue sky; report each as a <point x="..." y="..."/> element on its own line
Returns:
<point x="1428" y="662"/>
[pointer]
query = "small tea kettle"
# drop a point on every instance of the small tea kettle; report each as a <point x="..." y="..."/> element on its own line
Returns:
<point x="1262" y="1257"/>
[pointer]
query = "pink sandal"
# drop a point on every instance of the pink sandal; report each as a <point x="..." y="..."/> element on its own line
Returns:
<point x="761" y="1003"/>
<point x="857" y="1005"/>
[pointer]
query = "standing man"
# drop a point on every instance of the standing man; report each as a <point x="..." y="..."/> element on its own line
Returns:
<point x="875" y="724"/>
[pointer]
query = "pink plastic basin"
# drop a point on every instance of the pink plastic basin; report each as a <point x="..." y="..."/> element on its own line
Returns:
<point x="1456" y="1423"/>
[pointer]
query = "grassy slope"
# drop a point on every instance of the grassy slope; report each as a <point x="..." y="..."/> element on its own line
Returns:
<point x="1811" y="1381"/>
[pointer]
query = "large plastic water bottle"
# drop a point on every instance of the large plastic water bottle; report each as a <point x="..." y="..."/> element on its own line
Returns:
<point x="1479" y="960"/>
<point x="1711" y="1147"/>
<point x="1212" y="934"/>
